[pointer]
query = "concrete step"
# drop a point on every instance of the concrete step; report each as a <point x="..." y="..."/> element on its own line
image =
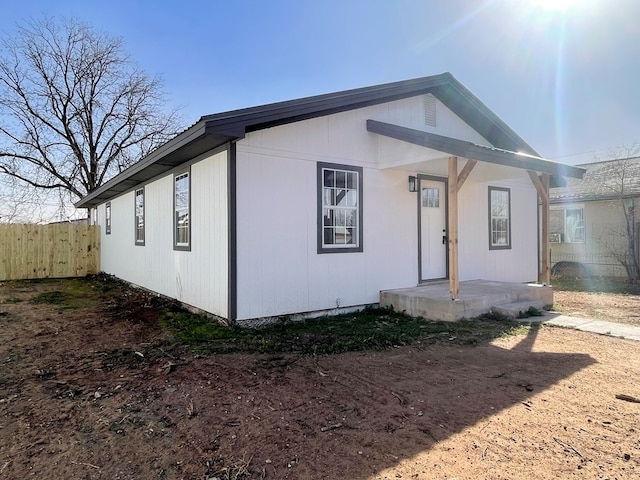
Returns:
<point x="515" y="310"/>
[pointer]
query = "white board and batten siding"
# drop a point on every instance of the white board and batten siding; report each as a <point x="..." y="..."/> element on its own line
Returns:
<point x="279" y="270"/>
<point x="198" y="277"/>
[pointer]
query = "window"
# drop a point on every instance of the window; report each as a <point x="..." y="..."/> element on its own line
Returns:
<point x="139" y="216"/>
<point x="182" y="210"/>
<point x="499" y="218"/>
<point x="431" y="197"/>
<point x="107" y="218"/>
<point x="339" y="208"/>
<point x="567" y="224"/>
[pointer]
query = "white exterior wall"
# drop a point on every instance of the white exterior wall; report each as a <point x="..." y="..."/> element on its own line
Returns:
<point x="278" y="268"/>
<point x="476" y="261"/>
<point x="198" y="277"/>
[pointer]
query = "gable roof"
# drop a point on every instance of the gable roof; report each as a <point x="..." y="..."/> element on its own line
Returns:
<point x="212" y="131"/>
<point x="602" y="181"/>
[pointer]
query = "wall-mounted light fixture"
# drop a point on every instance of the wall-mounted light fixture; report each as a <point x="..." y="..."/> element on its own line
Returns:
<point x="413" y="184"/>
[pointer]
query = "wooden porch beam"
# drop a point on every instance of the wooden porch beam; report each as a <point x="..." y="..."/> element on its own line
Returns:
<point x="452" y="227"/>
<point x="537" y="182"/>
<point x="464" y="174"/>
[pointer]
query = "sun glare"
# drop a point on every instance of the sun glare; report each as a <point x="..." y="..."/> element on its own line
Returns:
<point x="555" y="5"/>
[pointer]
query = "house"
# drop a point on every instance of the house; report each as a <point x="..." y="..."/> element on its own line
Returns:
<point x="321" y="203"/>
<point x="591" y="219"/>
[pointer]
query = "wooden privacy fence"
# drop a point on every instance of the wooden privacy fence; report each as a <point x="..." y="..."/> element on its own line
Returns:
<point x="48" y="251"/>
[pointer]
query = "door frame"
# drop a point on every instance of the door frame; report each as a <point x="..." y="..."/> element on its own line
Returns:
<point x="445" y="181"/>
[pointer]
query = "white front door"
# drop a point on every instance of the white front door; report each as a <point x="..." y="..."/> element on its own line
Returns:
<point x="433" y="230"/>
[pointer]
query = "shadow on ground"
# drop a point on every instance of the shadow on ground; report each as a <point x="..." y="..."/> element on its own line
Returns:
<point x="97" y="392"/>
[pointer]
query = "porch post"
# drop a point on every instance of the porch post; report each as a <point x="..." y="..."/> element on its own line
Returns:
<point x="545" y="270"/>
<point x="452" y="228"/>
<point x="542" y="187"/>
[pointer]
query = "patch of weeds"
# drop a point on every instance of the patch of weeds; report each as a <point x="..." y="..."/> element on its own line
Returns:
<point x="10" y="300"/>
<point x="56" y="297"/>
<point x="77" y="292"/>
<point x="517" y="329"/>
<point x="370" y="329"/>
<point x="531" y="312"/>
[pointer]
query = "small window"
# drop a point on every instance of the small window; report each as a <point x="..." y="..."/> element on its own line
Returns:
<point x="567" y="224"/>
<point x="107" y="218"/>
<point x="499" y="218"/>
<point x="431" y="197"/>
<point x="139" y="216"/>
<point x="182" y="211"/>
<point x="339" y="208"/>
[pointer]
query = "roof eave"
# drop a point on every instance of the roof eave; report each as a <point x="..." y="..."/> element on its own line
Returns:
<point x="188" y="144"/>
<point x="473" y="151"/>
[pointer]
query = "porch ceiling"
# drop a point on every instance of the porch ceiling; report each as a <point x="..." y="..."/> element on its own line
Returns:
<point x="464" y="149"/>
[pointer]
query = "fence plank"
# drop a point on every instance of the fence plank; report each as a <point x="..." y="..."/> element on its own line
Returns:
<point x="48" y="251"/>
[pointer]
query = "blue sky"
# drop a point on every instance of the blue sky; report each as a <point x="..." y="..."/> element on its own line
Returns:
<point x="568" y="83"/>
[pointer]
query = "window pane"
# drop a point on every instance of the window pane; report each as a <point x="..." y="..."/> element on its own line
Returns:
<point x="328" y="236"/>
<point x="352" y="180"/>
<point x="329" y="178"/>
<point x="350" y="218"/>
<point x="350" y="237"/>
<point x="327" y="217"/>
<point x="352" y="198"/>
<point x="328" y="196"/>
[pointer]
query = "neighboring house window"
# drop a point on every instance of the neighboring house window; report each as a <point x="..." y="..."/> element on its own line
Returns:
<point x="566" y="224"/>
<point x="139" y="215"/>
<point x="339" y="208"/>
<point x="499" y="218"/>
<point x="107" y="218"/>
<point x="182" y="210"/>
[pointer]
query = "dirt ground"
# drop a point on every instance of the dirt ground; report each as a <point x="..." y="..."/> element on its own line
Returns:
<point x="100" y="392"/>
<point x="624" y="308"/>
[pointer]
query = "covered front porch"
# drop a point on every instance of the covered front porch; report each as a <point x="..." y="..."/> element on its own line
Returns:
<point x="476" y="297"/>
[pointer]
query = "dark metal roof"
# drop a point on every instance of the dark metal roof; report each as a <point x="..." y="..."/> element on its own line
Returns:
<point x="605" y="180"/>
<point x="461" y="148"/>
<point x="214" y="130"/>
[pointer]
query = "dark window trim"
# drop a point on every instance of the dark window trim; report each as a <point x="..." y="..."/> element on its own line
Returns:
<point x="107" y="218"/>
<point x="500" y="247"/>
<point x="184" y="248"/>
<point x="140" y="243"/>
<point x="319" y="186"/>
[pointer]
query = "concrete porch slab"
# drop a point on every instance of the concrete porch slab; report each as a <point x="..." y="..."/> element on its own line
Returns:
<point x="477" y="297"/>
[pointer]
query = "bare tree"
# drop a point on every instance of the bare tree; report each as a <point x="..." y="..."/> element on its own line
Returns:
<point x="623" y="181"/>
<point x="74" y="109"/>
